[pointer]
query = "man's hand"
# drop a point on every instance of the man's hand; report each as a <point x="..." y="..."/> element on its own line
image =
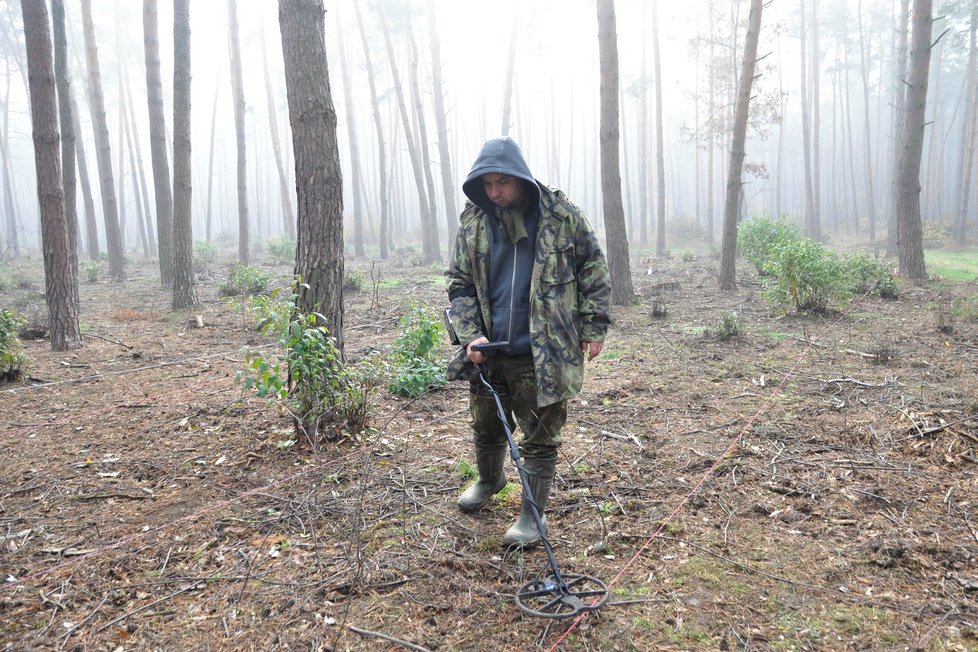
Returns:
<point x="478" y="357"/>
<point x="591" y="349"/>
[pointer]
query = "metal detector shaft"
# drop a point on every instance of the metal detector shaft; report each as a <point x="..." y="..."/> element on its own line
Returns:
<point x="515" y="454"/>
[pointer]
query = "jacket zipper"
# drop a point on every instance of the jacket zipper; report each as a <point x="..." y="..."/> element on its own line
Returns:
<point x="512" y="299"/>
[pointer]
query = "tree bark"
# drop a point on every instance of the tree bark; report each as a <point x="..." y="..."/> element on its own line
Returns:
<point x="728" y="248"/>
<point x="285" y="192"/>
<point x="140" y="173"/>
<point x="381" y="146"/>
<point x="237" y="92"/>
<point x="864" y="70"/>
<point x="660" y="166"/>
<point x="430" y="235"/>
<point x="157" y="143"/>
<point x="622" y="292"/>
<point x="67" y="122"/>
<point x="968" y="132"/>
<point x="806" y="129"/>
<point x="184" y="290"/>
<point x="319" y="182"/>
<point x="899" y="104"/>
<point x="351" y="134"/>
<point x="103" y="150"/>
<point x="91" y="222"/>
<point x="60" y="282"/>
<point x="510" y="75"/>
<point x="910" y="249"/>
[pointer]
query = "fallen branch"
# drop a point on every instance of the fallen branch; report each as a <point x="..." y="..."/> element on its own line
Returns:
<point x="388" y="638"/>
<point x="122" y="344"/>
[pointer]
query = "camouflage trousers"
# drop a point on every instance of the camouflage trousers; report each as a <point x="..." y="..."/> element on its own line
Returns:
<point x="515" y="381"/>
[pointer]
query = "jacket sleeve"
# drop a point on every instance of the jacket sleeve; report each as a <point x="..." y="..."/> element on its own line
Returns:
<point x="593" y="283"/>
<point x="466" y="316"/>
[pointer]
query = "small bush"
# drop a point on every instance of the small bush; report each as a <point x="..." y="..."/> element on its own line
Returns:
<point x="12" y="361"/>
<point x="205" y="255"/>
<point x="685" y="230"/>
<point x="417" y="363"/>
<point x="354" y="281"/>
<point x="245" y="279"/>
<point x="92" y="270"/>
<point x="966" y="308"/>
<point x="727" y="326"/>
<point x="804" y="275"/>
<point x="865" y="274"/>
<point x="757" y="236"/>
<point x="281" y="248"/>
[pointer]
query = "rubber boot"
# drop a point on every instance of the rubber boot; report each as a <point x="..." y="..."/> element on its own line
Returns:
<point x="540" y="477"/>
<point x="492" y="478"/>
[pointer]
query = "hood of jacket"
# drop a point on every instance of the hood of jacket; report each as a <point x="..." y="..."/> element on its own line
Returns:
<point x="499" y="156"/>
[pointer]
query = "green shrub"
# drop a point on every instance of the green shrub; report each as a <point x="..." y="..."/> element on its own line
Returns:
<point x="757" y="235"/>
<point x="865" y="274"/>
<point x="245" y="279"/>
<point x="417" y="363"/>
<point x="92" y="270"/>
<point x="804" y="275"/>
<point x="205" y="255"/>
<point x="354" y="281"/>
<point x="727" y="326"/>
<point x="281" y="248"/>
<point x="12" y="361"/>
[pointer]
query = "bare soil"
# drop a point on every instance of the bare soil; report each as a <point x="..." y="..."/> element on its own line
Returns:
<point x="811" y="483"/>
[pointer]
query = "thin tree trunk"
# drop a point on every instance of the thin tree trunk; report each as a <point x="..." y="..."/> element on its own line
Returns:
<point x="184" y="290"/>
<point x="815" y="228"/>
<point x="968" y="135"/>
<point x="103" y="151"/>
<point x="91" y="223"/>
<point x="381" y="146"/>
<point x="425" y="154"/>
<point x="285" y="191"/>
<point x="157" y="143"/>
<point x="351" y="134"/>
<point x="67" y="121"/>
<point x="644" y="173"/>
<point x="864" y="69"/>
<point x="899" y="126"/>
<point x="728" y="250"/>
<point x="660" y="166"/>
<point x="129" y="128"/>
<point x="140" y="170"/>
<point x="428" y="226"/>
<point x="622" y="292"/>
<point x="710" y="131"/>
<point x="12" y="244"/>
<point x="806" y="130"/>
<point x="909" y="233"/>
<point x="510" y="75"/>
<point x="437" y="89"/>
<point x="319" y="181"/>
<point x="209" y="219"/>
<point x="237" y="91"/>
<point x="60" y="283"/>
<point x="851" y="144"/>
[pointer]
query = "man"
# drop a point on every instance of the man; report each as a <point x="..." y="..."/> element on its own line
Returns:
<point x="526" y="269"/>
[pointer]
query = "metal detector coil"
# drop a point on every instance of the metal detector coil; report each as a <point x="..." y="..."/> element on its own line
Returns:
<point x="557" y="596"/>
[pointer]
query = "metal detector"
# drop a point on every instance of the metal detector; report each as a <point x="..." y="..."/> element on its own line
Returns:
<point x="559" y="595"/>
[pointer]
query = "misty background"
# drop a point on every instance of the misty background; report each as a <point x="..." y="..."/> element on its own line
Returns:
<point x="851" y="70"/>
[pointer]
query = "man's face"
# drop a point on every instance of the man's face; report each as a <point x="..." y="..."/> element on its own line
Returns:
<point x="502" y="190"/>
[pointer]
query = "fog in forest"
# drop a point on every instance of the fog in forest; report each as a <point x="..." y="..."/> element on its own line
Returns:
<point x="548" y="51"/>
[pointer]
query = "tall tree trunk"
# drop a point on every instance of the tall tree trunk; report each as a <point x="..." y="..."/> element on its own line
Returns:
<point x="968" y="131"/>
<point x="91" y="222"/>
<point x="510" y="75"/>
<point x="60" y="282"/>
<point x="850" y="143"/>
<point x="441" y="125"/>
<point x="432" y="234"/>
<point x="208" y="219"/>
<point x="140" y="169"/>
<point x="103" y="151"/>
<point x="864" y="70"/>
<point x="12" y="245"/>
<point x="129" y="127"/>
<point x="815" y="228"/>
<point x="67" y="121"/>
<point x="381" y="145"/>
<point x="428" y="226"/>
<point x="710" y="130"/>
<point x="622" y="292"/>
<point x="285" y="192"/>
<point x="806" y="130"/>
<point x="899" y="127"/>
<point x="644" y="173"/>
<point x="157" y="143"/>
<point x="351" y="134"/>
<point x="728" y="250"/>
<point x="660" y="166"/>
<point x="237" y="91"/>
<point x="319" y="182"/>
<point x="910" y="248"/>
<point x="184" y="290"/>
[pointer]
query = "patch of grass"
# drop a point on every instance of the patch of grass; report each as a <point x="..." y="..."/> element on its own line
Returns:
<point x="952" y="265"/>
<point x="609" y="354"/>
<point x="777" y="337"/>
<point x="467" y="469"/>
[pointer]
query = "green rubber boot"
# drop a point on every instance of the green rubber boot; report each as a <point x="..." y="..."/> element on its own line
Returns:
<point x="492" y="478"/>
<point x="540" y="477"/>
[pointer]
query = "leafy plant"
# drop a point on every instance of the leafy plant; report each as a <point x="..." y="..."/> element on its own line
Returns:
<point x="246" y="279"/>
<point x="92" y="270"/>
<point x="804" y="275"/>
<point x="417" y="363"/>
<point x="12" y="360"/>
<point x="281" y="248"/>
<point x="205" y="255"/>
<point x="727" y="326"/>
<point x="865" y="274"/>
<point x="758" y="235"/>
<point x="354" y="281"/>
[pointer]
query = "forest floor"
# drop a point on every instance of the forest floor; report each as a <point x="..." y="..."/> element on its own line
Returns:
<point x="810" y="484"/>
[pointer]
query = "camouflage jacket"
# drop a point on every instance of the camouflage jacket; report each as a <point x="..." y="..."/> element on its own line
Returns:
<point x="570" y="294"/>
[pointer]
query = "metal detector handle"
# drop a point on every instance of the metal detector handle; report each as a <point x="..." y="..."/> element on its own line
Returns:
<point x="485" y="347"/>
